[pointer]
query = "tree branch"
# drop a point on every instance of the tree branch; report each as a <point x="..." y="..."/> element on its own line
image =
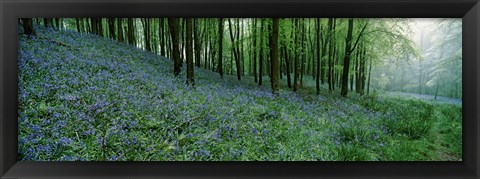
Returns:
<point x="358" y="37"/>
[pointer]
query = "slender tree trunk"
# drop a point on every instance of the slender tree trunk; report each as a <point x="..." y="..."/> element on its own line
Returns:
<point x="362" y="70"/>
<point x="369" y="75"/>
<point x="346" y="59"/>
<point x="111" y="27"/>
<point x="220" y="45"/>
<point x="197" y="42"/>
<point x="174" y="28"/>
<point x="100" y="26"/>
<point x="241" y="50"/>
<point x="190" y="72"/>
<point x="77" y="22"/>
<point x="235" y="50"/>
<point x="94" y="26"/>
<point x="356" y="73"/>
<point x="88" y="25"/>
<point x="146" y="32"/>
<point x="296" y="54"/>
<point x="119" y="29"/>
<point x="302" y="67"/>
<point x="130" y="32"/>
<point x="206" y="40"/>
<point x="28" y="27"/>
<point x="161" y="26"/>
<point x="317" y="79"/>
<point x="57" y="23"/>
<point x="260" y="60"/>
<point x="330" y="56"/>
<point x="287" y="68"/>
<point x="255" y="50"/>
<point x="274" y="55"/>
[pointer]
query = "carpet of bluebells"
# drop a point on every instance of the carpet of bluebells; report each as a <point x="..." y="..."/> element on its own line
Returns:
<point x="88" y="98"/>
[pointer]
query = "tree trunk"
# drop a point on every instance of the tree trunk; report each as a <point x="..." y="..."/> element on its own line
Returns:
<point x="146" y="32"/>
<point x="302" y="67"/>
<point x="220" y="45"/>
<point x="197" y="42"/>
<point x="161" y="33"/>
<point x="190" y="72"/>
<point x="369" y="75"/>
<point x="119" y="29"/>
<point x="111" y="27"/>
<point x="357" y="73"/>
<point x="260" y="60"/>
<point x="130" y="32"/>
<point x="317" y="79"/>
<point x="346" y="58"/>
<point x="77" y="22"/>
<point x="100" y="26"/>
<point x="287" y="66"/>
<point x="206" y="40"/>
<point x="57" y="23"/>
<point x="296" y="54"/>
<point x="28" y="27"/>
<point x="274" y="55"/>
<point x="236" y="52"/>
<point x="174" y="27"/>
<point x="330" y="56"/>
<point x="255" y="48"/>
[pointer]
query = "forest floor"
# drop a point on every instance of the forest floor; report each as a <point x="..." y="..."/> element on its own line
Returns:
<point x="83" y="97"/>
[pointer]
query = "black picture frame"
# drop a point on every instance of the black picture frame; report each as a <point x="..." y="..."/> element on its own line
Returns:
<point x="11" y="10"/>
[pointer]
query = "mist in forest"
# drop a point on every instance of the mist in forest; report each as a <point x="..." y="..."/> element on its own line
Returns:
<point x="436" y="69"/>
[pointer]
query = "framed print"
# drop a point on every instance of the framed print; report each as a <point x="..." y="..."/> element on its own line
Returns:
<point x="109" y="89"/>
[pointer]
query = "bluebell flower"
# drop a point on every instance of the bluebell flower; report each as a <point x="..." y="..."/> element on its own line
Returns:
<point x="203" y="153"/>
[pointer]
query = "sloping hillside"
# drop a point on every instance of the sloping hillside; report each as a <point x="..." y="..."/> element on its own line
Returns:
<point x="83" y="97"/>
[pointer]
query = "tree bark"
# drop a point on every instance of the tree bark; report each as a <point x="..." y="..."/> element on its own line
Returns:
<point x="174" y="27"/>
<point x="317" y="79"/>
<point x="255" y="50"/>
<point x="330" y="56"/>
<point x="28" y="27"/>
<point x="111" y="27"/>
<point x="77" y="23"/>
<point x="346" y="58"/>
<point x="120" y="29"/>
<point x="287" y="66"/>
<point x="296" y="54"/>
<point x="274" y="55"/>
<point x="236" y="52"/>
<point x="146" y="32"/>
<point x="220" y="45"/>
<point x="260" y="60"/>
<point x="130" y="32"/>
<point x="197" y="42"/>
<point x="190" y="72"/>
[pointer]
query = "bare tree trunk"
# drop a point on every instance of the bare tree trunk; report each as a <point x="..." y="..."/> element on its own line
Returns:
<point x="197" y="42"/>
<point x="130" y="32"/>
<point x="260" y="60"/>
<point x="28" y="27"/>
<point x="111" y="27"/>
<point x="317" y="79"/>
<point x="174" y="27"/>
<point x="190" y="72"/>
<point x="274" y="55"/>
<point x="296" y="54"/>
<point x="220" y="45"/>
<point x="255" y="50"/>
<point x="119" y="29"/>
